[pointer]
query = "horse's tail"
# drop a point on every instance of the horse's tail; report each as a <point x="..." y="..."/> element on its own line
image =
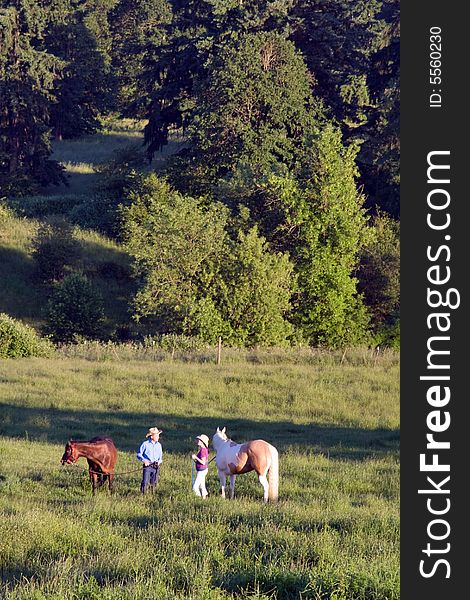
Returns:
<point x="273" y="475"/>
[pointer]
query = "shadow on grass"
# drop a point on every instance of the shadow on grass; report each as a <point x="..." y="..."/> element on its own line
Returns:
<point x="20" y="297"/>
<point x="23" y="296"/>
<point x="128" y="429"/>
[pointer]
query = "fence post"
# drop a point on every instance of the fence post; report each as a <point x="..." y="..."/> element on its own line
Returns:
<point x="219" y="350"/>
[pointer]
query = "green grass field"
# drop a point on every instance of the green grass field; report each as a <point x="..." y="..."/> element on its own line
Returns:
<point x="333" y="534"/>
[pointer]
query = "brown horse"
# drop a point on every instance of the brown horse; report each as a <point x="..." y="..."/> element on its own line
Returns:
<point x="101" y="455"/>
<point x="233" y="459"/>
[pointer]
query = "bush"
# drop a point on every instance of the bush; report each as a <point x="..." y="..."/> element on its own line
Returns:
<point x="388" y="334"/>
<point x="75" y="310"/>
<point x="54" y="248"/>
<point x="379" y="273"/>
<point x="18" y="340"/>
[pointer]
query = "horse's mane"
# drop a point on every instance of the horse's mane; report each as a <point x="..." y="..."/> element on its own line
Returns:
<point x="92" y="441"/>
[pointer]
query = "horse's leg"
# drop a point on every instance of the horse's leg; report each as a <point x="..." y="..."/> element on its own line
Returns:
<point x="93" y="478"/>
<point x="264" y="482"/>
<point x="110" y="482"/>
<point x="222" y="483"/>
<point x="232" y="486"/>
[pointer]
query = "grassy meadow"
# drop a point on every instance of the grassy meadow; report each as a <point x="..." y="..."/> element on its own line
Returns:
<point x="333" y="534"/>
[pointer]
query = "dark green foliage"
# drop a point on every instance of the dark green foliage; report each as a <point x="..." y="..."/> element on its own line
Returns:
<point x="379" y="159"/>
<point x="85" y="90"/>
<point x="27" y="78"/>
<point x="379" y="272"/>
<point x="352" y="50"/>
<point x="18" y="340"/>
<point x="197" y="33"/>
<point x="54" y="249"/>
<point x="75" y="310"/>
<point x="138" y="33"/>
<point x="242" y="124"/>
<point x="337" y="38"/>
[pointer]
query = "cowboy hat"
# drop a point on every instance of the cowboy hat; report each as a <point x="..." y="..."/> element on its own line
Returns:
<point x="153" y="430"/>
<point x="204" y="439"/>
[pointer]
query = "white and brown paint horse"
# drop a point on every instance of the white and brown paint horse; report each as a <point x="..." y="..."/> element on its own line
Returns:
<point x="101" y="455"/>
<point x="233" y="459"/>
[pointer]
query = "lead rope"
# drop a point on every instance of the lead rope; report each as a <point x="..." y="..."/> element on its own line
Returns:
<point x="101" y="472"/>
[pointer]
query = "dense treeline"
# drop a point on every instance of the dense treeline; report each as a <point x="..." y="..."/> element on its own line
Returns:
<point x="275" y="221"/>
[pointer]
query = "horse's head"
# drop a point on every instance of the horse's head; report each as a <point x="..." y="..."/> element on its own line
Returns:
<point x="219" y="435"/>
<point x="69" y="454"/>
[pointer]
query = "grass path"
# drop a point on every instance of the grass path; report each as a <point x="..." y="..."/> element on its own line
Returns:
<point x="81" y="156"/>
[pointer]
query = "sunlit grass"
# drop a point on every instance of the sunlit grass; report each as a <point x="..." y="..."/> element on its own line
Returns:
<point x="333" y="534"/>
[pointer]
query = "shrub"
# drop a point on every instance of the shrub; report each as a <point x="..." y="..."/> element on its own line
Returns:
<point x="388" y="334"/>
<point x="54" y="248"/>
<point x="75" y="310"/>
<point x="18" y="339"/>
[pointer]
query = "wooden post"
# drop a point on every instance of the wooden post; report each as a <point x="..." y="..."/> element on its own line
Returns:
<point x="219" y="350"/>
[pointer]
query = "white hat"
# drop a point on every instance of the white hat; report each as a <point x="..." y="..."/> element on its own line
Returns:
<point x="153" y="430"/>
<point x="204" y="439"/>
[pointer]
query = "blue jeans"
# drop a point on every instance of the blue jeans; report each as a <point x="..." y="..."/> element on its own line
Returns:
<point x="150" y="475"/>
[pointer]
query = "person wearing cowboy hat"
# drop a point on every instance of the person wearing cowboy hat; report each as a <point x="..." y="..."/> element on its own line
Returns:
<point x="150" y="454"/>
<point x="201" y="460"/>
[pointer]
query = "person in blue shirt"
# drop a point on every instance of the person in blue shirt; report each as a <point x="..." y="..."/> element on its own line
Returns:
<point x="150" y="454"/>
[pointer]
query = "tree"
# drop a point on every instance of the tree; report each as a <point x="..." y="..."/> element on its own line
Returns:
<point x="75" y="310"/>
<point x="337" y="38"/>
<point x="379" y="271"/>
<point x="379" y="159"/>
<point x="54" y="248"/>
<point x="27" y="78"/>
<point x="256" y="290"/>
<point x="321" y="223"/>
<point x="255" y="112"/>
<point x="195" y="280"/>
<point x="198" y="31"/>
<point x="175" y="242"/>
<point x="85" y="90"/>
<point x="352" y="50"/>
<point x="139" y="30"/>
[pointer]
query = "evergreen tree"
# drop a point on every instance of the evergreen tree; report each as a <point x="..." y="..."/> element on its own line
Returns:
<point x="379" y="271"/>
<point x="352" y="50"/>
<point x="199" y="29"/>
<point x="255" y="113"/>
<point x="139" y="30"/>
<point x="379" y="159"/>
<point x="27" y="78"/>
<point x="337" y="38"/>
<point x="82" y="39"/>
